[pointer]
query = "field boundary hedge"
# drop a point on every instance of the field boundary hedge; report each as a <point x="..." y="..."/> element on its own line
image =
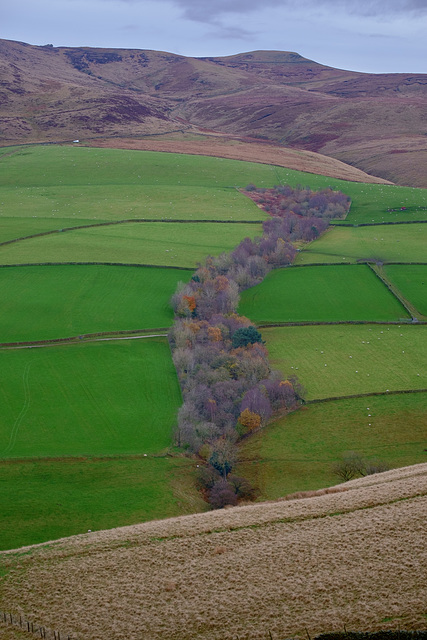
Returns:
<point x="344" y="264"/>
<point x="310" y="323"/>
<point x="107" y="264"/>
<point x="360" y="261"/>
<point x="365" y="395"/>
<point x="378" y="224"/>
<point x="394" y="291"/>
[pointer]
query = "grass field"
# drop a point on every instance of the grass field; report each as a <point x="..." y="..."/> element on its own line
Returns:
<point x="153" y="243"/>
<point x="321" y="294"/>
<point x="55" y="166"/>
<point x="77" y="419"/>
<point x="372" y="203"/>
<point x="341" y="360"/>
<point x="411" y="280"/>
<point x="296" y="453"/>
<point x="48" y="499"/>
<point x="102" y="398"/>
<point x="393" y="243"/>
<point x="18" y="227"/>
<point x="55" y="187"/>
<point x="102" y="203"/>
<point x="70" y="300"/>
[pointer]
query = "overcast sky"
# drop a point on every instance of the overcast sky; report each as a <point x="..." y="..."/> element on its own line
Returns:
<point x="361" y="35"/>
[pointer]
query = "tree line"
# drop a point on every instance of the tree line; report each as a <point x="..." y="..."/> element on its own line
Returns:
<point x="229" y="388"/>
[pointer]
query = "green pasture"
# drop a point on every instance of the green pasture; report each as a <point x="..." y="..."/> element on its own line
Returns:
<point x="388" y="243"/>
<point x="55" y="165"/>
<point x="296" y="453"/>
<point x="19" y="227"/>
<point x="45" y="302"/>
<point x="340" y="360"/>
<point x="98" y="398"/>
<point x="379" y="203"/>
<point x="411" y="280"/>
<point x="70" y="205"/>
<point x="77" y="419"/>
<point x="70" y="185"/>
<point x="320" y="294"/>
<point x="150" y="243"/>
<point x="49" y="499"/>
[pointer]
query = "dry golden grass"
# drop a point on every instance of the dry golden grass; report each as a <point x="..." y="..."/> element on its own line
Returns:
<point x="8" y="632"/>
<point x="234" y="148"/>
<point x="356" y="557"/>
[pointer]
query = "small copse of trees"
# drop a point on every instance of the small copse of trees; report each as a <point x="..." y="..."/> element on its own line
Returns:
<point x="282" y="200"/>
<point x="353" y="465"/>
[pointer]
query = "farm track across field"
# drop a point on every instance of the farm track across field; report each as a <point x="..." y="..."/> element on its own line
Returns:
<point x="75" y="339"/>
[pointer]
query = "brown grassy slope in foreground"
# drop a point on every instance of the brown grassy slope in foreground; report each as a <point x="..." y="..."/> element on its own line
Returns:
<point x="374" y="121"/>
<point x="356" y="557"/>
<point x="226" y="147"/>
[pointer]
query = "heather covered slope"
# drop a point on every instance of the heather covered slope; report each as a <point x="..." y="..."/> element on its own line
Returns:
<point x="353" y="556"/>
<point x="373" y="121"/>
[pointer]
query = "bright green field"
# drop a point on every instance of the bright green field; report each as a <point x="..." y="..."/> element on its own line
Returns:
<point x="12" y="228"/>
<point x="370" y="203"/>
<point x="393" y="243"/>
<point x="76" y="420"/>
<point x="66" y="205"/>
<point x="101" y="398"/>
<point x="296" y="453"/>
<point x="55" y="166"/>
<point x="411" y="280"/>
<point x="44" y="302"/>
<point x="65" y="186"/>
<point x="152" y="243"/>
<point x="339" y="360"/>
<point x="48" y="499"/>
<point x="321" y="294"/>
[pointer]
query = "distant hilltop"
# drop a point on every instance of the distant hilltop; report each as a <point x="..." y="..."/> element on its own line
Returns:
<point x="375" y="122"/>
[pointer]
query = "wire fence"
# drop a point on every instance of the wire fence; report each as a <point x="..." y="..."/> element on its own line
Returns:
<point x="29" y="626"/>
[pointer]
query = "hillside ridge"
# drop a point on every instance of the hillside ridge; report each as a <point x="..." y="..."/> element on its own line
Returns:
<point x="304" y="564"/>
<point x="372" y="121"/>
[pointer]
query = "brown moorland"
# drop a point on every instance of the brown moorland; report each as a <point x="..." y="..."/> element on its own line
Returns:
<point x="351" y="556"/>
<point x="375" y="122"/>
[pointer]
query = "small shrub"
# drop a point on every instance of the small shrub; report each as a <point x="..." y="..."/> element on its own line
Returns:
<point x="222" y="494"/>
<point x="207" y="476"/>
<point x="244" y="336"/>
<point x="352" y="465"/>
<point x="243" y="489"/>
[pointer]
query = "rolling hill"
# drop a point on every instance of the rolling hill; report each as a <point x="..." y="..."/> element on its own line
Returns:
<point x="351" y="557"/>
<point x="375" y="122"/>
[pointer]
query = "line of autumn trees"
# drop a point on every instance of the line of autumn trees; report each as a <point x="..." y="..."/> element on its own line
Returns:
<point x="229" y="389"/>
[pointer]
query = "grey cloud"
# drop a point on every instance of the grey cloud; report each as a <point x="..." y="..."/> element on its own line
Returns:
<point x="210" y="11"/>
<point x="232" y="33"/>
